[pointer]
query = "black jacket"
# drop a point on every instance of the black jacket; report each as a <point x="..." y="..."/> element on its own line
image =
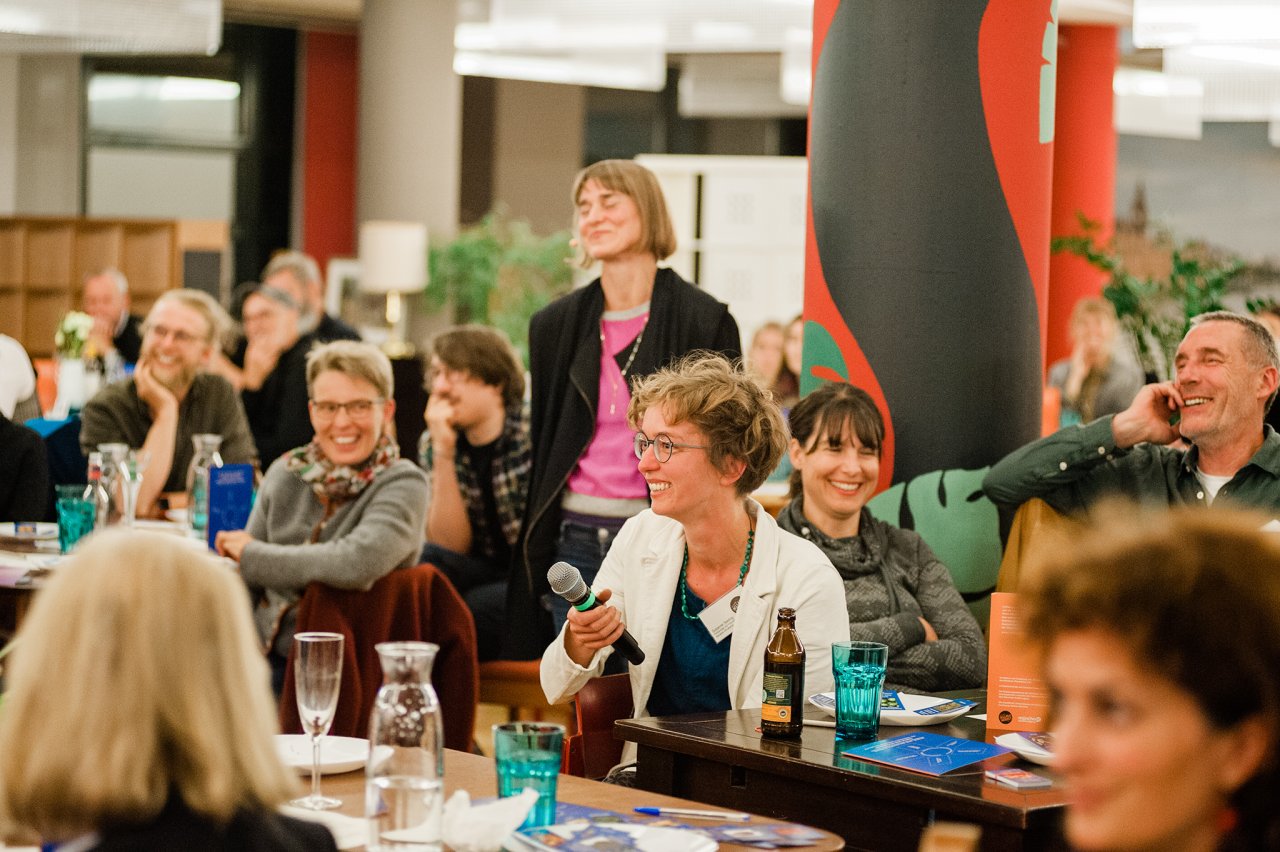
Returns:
<point x="277" y="411"/>
<point x="564" y="362"/>
<point x="178" y="827"/>
<point x="24" y="474"/>
<point x="129" y="341"/>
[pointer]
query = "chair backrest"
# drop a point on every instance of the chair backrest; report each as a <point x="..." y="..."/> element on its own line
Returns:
<point x="416" y="603"/>
<point x="593" y="750"/>
<point x="1036" y="528"/>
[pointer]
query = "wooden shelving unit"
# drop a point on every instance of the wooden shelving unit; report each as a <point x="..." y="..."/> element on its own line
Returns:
<point x="44" y="259"/>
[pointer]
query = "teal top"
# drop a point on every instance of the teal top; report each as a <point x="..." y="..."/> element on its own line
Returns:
<point x="1076" y="466"/>
<point x="693" y="671"/>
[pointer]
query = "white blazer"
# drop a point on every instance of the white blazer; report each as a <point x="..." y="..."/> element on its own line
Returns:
<point x="642" y="569"/>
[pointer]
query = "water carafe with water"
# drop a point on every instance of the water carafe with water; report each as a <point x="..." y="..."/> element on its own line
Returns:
<point x="206" y="457"/>
<point x="404" y="789"/>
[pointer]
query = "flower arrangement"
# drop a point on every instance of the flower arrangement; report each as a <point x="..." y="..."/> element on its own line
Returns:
<point x="72" y="334"/>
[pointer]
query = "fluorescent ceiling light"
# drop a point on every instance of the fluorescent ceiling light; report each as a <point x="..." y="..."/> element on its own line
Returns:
<point x="110" y="26"/>
<point x="1177" y="23"/>
<point x="643" y="70"/>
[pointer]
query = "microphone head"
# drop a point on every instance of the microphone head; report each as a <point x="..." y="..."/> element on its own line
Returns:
<point x="566" y="581"/>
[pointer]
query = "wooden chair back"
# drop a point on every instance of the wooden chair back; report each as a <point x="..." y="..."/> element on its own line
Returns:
<point x="593" y="750"/>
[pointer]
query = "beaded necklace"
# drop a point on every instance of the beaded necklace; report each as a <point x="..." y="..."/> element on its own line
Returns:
<point x="684" y="573"/>
<point x="635" y="347"/>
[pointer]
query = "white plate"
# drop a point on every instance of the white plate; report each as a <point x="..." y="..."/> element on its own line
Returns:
<point x="337" y="754"/>
<point x="647" y="838"/>
<point x="826" y="702"/>
<point x="178" y="516"/>
<point x="43" y="531"/>
<point x="1026" y="749"/>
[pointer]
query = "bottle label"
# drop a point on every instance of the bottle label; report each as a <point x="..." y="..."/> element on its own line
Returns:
<point x="776" y="704"/>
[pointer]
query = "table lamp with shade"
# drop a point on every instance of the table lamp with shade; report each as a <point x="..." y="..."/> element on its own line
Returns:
<point x="393" y="260"/>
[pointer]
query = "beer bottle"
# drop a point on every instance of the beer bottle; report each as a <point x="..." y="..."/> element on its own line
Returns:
<point x="781" y="708"/>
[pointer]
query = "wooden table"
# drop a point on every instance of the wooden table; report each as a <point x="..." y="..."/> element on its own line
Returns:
<point x="720" y="758"/>
<point x="476" y="775"/>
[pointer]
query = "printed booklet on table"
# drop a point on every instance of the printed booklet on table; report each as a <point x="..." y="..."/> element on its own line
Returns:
<point x="932" y="754"/>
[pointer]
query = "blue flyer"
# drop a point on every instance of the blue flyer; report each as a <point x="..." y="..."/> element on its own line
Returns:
<point x="230" y="498"/>
<point x="932" y="754"/>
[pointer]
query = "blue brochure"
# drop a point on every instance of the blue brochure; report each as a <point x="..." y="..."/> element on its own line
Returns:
<point x="230" y="498"/>
<point x="932" y="754"/>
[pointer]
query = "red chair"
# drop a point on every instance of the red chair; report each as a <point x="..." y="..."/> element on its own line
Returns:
<point x="417" y="604"/>
<point x="593" y="750"/>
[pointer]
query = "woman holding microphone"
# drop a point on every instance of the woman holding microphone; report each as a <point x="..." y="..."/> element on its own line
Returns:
<point x="698" y="578"/>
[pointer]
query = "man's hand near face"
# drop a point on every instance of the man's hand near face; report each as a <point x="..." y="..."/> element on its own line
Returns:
<point x="1146" y="420"/>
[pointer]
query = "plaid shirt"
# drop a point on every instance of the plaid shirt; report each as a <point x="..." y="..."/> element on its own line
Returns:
<point x="512" y="460"/>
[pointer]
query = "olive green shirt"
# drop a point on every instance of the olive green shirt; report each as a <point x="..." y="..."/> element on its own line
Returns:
<point x="1076" y="466"/>
<point x="117" y="415"/>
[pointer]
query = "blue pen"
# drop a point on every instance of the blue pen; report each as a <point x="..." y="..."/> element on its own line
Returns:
<point x="736" y="816"/>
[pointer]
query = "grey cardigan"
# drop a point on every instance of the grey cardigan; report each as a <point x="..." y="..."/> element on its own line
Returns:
<point x="364" y="540"/>
<point x="891" y="579"/>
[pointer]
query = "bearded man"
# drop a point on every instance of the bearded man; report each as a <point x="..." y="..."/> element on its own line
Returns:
<point x="169" y="398"/>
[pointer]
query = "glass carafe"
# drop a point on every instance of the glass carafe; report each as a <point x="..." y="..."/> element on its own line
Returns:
<point x="404" y="789"/>
<point x="113" y="456"/>
<point x="206" y="457"/>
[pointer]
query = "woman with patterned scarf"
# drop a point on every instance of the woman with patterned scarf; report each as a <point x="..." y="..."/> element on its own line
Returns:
<point x="344" y="510"/>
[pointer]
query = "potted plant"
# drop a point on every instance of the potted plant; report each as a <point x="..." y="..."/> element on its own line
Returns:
<point x="1156" y="312"/>
<point x="499" y="272"/>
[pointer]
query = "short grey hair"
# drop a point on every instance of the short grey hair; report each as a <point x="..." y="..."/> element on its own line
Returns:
<point x="302" y="266"/>
<point x="353" y="358"/>
<point x="116" y="276"/>
<point x="1260" y="346"/>
<point x="215" y="317"/>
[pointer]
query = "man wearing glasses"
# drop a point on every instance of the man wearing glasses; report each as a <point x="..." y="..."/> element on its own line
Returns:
<point x="476" y="453"/>
<point x="169" y="398"/>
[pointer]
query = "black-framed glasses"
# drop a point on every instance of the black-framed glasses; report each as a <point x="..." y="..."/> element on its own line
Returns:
<point x="357" y="409"/>
<point x="663" y="446"/>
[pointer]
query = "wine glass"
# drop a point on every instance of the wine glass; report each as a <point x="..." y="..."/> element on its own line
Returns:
<point x="317" y="668"/>
<point x="132" y="466"/>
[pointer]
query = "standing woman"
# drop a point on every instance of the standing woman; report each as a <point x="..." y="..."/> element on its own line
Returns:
<point x="585" y="349"/>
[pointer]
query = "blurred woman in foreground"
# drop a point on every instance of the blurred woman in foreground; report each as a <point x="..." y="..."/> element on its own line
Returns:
<point x="138" y="714"/>
<point x="1161" y="643"/>
<point x="707" y="435"/>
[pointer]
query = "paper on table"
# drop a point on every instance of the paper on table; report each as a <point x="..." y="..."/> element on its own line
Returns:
<point x="479" y="828"/>
<point x="348" y="832"/>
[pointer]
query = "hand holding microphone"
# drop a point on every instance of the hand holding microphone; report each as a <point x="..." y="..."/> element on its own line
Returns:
<point x="594" y="631"/>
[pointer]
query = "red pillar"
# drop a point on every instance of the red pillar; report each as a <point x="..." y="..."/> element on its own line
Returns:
<point x="330" y="84"/>
<point x="1084" y="168"/>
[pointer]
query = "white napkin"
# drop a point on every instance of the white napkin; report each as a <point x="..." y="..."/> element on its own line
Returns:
<point x="348" y="832"/>
<point x="483" y="828"/>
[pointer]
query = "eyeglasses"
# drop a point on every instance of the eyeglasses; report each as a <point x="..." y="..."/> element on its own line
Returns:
<point x="357" y="409"/>
<point x="179" y="336"/>
<point x="663" y="446"/>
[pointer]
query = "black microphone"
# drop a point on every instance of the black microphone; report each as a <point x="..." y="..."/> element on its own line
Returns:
<point x="566" y="581"/>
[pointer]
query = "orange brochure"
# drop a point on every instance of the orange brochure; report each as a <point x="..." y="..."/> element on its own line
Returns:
<point x="1017" y="699"/>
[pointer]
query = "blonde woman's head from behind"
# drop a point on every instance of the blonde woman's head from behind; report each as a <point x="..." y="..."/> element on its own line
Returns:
<point x="138" y="673"/>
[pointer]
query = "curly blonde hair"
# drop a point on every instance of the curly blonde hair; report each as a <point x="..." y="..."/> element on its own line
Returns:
<point x="739" y="419"/>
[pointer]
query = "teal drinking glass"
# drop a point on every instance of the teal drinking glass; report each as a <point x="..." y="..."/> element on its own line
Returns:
<point x="75" y="516"/>
<point x="858" y="668"/>
<point x="528" y="755"/>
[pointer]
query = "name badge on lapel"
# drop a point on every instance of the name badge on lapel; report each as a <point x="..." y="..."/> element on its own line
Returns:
<point x="719" y="617"/>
